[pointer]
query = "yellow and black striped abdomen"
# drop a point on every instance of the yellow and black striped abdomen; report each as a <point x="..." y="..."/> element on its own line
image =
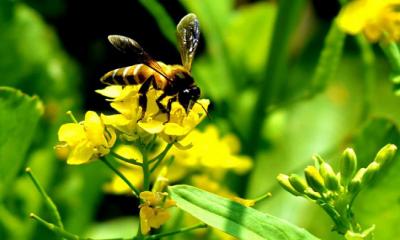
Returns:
<point x="132" y="75"/>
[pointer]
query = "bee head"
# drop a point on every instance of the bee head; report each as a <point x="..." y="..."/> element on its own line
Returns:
<point x="188" y="96"/>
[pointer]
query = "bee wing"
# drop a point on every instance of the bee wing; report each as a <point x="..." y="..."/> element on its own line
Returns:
<point x="130" y="46"/>
<point x="188" y="34"/>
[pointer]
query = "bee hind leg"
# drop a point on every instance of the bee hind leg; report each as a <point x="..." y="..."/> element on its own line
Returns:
<point x="142" y="96"/>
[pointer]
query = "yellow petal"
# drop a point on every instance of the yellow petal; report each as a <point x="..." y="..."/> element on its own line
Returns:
<point x="71" y="133"/>
<point x="82" y="153"/>
<point x="94" y="128"/>
<point x="174" y="129"/>
<point x="146" y="213"/>
<point x="152" y="127"/>
<point x="113" y="91"/>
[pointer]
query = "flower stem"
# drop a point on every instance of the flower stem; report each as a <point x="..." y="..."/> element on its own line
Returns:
<point x="146" y="170"/>
<point x="61" y="232"/>
<point x="136" y="192"/>
<point x="128" y="160"/>
<point x="48" y="201"/>
<point x="182" y="230"/>
<point x="71" y="115"/>
<point x="162" y="154"/>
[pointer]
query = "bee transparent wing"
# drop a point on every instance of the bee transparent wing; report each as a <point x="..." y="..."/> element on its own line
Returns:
<point x="188" y="34"/>
<point x="130" y="46"/>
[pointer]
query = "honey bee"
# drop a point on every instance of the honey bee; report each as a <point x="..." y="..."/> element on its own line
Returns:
<point x="175" y="81"/>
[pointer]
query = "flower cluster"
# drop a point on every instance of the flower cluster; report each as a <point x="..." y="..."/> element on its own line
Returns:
<point x="132" y="125"/>
<point x="335" y="192"/>
<point x="205" y="163"/>
<point x="87" y="140"/>
<point x="153" y="211"/>
<point x="377" y="19"/>
<point x="93" y="137"/>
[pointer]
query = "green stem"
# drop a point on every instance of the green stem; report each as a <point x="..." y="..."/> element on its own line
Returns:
<point x="287" y="16"/>
<point x="368" y="59"/>
<point x="62" y="233"/>
<point x="145" y="168"/>
<point x="162" y="154"/>
<point x="262" y="197"/>
<point x="136" y="192"/>
<point x="127" y="160"/>
<point x="47" y="200"/>
<point x="392" y="52"/>
<point x="163" y="19"/>
<point x="182" y="230"/>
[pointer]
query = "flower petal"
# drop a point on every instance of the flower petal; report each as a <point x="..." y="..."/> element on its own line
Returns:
<point x="71" y="133"/>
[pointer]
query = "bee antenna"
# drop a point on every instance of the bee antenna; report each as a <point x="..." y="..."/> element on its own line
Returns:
<point x="205" y="110"/>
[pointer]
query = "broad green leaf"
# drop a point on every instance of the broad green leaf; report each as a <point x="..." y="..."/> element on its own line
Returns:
<point x="19" y="115"/>
<point x="233" y="218"/>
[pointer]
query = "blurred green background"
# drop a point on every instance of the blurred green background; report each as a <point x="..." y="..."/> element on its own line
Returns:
<point x="257" y="64"/>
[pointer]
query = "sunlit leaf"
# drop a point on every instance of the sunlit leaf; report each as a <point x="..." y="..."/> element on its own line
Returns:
<point x="234" y="218"/>
<point x="19" y="115"/>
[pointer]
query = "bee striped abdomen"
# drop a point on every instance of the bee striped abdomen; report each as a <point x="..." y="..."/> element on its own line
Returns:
<point x="132" y="75"/>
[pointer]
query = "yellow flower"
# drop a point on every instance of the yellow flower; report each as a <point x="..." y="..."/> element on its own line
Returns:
<point x="211" y="153"/>
<point x="375" y="18"/>
<point x="153" y="211"/>
<point x="131" y="123"/>
<point x="87" y="140"/>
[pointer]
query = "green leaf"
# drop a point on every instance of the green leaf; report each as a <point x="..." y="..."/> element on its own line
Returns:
<point x="164" y="21"/>
<point x="233" y="218"/>
<point x="19" y="115"/>
<point x="329" y="59"/>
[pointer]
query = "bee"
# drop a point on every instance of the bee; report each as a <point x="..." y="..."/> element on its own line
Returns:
<point x="175" y="81"/>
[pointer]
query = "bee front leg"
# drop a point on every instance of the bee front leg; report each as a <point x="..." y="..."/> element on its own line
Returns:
<point x="142" y="95"/>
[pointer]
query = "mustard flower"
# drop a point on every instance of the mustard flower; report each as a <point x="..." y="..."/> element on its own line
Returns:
<point x="153" y="211"/>
<point x="211" y="152"/>
<point x="377" y="19"/>
<point x="131" y="122"/>
<point x="87" y="140"/>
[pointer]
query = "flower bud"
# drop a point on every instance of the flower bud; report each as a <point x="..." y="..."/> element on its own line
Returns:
<point x="355" y="184"/>
<point x="330" y="179"/>
<point x="312" y="194"/>
<point x="318" y="159"/>
<point x="369" y="174"/>
<point x="284" y="182"/>
<point x="314" y="179"/>
<point x="348" y="165"/>
<point x="298" y="183"/>
<point x="385" y="154"/>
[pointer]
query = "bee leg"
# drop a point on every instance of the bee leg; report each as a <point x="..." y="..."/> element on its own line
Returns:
<point x="159" y="104"/>
<point x="142" y="95"/>
<point x="168" y="108"/>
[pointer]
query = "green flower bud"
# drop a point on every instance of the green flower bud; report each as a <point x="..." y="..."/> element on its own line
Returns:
<point x="348" y="166"/>
<point x="329" y="176"/>
<point x="314" y="179"/>
<point x="318" y="159"/>
<point x="298" y="183"/>
<point x="355" y="184"/>
<point x="369" y="174"/>
<point x="284" y="182"/>
<point x="312" y="194"/>
<point x="385" y="154"/>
